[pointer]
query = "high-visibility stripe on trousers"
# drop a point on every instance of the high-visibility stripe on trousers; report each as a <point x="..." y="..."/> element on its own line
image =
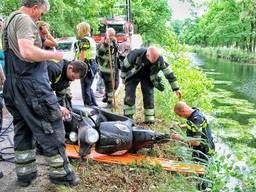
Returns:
<point x="129" y="110"/>
<point x="56" y="167"/>
<point x="110" y="97"/>
<point x="25" y="162"/>
<point x="149" y="115"/>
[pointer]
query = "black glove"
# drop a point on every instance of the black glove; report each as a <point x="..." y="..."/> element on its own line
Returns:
<point x="160" y="86"/>
<point x="121" y="57"/>
<point x="158" y="83"/>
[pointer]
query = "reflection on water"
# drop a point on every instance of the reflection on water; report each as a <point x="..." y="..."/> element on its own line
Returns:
<point x="237" y="78"/>
<point x="234" y="98"/>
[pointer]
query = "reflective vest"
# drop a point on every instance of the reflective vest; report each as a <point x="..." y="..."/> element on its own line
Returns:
<point x="197" y="125"/>
<point x="88" y="45"/>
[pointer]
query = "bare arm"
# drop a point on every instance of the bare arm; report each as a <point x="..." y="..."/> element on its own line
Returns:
<point x="193" y="141"/>
<point x="31" y="52"/>
<point x="52" y="40"/>
<point x="179" y="94"/>
<point x="82" y="55"/>
<point x="190" y="140"/>
<point x="50" y="43"/>
<point x="184" y="126"/>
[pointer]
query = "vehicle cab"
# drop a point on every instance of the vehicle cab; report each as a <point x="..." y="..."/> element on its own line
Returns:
<point x="67" y="46"/>
<point x="122" y="27"/>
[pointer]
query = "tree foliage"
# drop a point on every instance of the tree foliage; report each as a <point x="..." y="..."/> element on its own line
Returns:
<point x="151" y="18"/>
<point x="230" y="23"/>
<point x="64" y="15"/>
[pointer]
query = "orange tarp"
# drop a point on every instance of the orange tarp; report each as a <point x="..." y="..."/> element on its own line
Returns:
<point x="128" y="159"/>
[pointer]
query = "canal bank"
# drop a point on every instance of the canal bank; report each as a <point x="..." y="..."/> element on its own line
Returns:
<point x="234" y="109"/>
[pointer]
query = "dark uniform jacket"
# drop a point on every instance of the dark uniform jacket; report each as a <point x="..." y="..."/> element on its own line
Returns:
<point x="60" y="82"/>
<point x="199" y="128"/>
<point x="57" y="75"/>
<point x="103" y="56"/>
<point x="133" y="63"/>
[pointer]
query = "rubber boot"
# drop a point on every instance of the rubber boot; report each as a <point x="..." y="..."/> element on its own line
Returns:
<point x="105" y="99"/>
<point x="69" y="180"/>
<point x="149" y="122"/>
<point x="26" y="180"/>
<point x="129" y="116"/>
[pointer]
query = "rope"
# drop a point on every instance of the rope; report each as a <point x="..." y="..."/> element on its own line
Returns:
<point x="5" y="151"/>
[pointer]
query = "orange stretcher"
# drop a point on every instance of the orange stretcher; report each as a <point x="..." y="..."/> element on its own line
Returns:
<point x="128" y="159"/>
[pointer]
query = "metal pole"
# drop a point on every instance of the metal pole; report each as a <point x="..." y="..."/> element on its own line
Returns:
<point x="126" y="10"/>
<point x="129" y="11"/>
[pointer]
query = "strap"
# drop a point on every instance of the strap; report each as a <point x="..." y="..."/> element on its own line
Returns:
<point x="5" y="37"/>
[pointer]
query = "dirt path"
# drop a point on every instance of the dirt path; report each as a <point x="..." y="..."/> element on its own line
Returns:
<point x="8" y="182"/>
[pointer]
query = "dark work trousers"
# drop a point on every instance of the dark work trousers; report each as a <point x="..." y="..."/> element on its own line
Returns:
<point x="100" y="84"/>
<point x="86" y="84"/>
<point x="147" y="89"/>
<point x="108" y="84"/>
<point x="200" y="153"/>
<point x="36" y="115"/>
<point x="1" y="112"/>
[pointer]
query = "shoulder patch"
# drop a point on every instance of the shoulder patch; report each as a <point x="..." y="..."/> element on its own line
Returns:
<point x="84" y="43"/>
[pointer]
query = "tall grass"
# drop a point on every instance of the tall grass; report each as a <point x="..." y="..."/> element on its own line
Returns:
<point x="193" y="83"/>
<point x="231" y="54"/>
<point x="223" y="172"/>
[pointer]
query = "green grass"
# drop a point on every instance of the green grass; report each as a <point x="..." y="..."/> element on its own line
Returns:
<point x="108" y="178"/>
<point x="105" y="177"/>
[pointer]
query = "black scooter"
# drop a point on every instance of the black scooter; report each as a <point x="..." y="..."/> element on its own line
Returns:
<point x="110" y="133"/>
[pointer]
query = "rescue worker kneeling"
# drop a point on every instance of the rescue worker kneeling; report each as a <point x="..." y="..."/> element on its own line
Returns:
<point x="30" y="99"/>
<point x="198" y="131"/>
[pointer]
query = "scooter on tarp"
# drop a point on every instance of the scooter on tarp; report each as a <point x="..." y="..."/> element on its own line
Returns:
<point x="110" y="133"/>
<point x="106" y="137"/>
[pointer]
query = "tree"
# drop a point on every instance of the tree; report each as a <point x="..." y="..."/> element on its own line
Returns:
<point x="230" y="23"/>
<point x="64" y="15"/>
<point x="151" y="18"/>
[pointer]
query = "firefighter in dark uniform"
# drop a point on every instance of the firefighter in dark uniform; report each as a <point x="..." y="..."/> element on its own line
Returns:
<point x="61" y="75"/>
<point x="143" y="66"/>
<point x="30" y="99"/>
<point x="103" y="59"/>
<point x="86" y="51"/>
<point x="198" y="131"/>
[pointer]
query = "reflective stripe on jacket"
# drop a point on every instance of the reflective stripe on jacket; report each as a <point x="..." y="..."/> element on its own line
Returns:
<point x="103" y="56"/>
<point x="88" y="45"/>
<point x="133" y="64"/>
